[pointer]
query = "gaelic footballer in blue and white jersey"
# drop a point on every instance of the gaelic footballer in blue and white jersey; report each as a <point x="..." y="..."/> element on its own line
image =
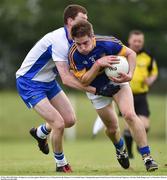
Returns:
<point x="38" y="70"/>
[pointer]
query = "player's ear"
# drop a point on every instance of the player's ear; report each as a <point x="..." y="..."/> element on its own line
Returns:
<point x="93" y="36"/>
<point x="69" y="21"/>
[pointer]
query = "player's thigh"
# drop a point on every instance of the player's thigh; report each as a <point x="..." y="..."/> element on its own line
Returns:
<point x="64" y="107"/>
<point x="45" y="109"/>
<point x="108" y="115"/>
<point x="124" y="100"/>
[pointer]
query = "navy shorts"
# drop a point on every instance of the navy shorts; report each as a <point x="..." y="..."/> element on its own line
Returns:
<point x="32" y="92"/>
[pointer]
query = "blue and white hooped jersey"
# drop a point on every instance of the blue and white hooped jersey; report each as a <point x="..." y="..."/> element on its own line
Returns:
<point x="39" y="64"/>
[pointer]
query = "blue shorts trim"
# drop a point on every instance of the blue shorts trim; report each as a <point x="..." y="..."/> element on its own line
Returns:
<point x="32" y="92"/>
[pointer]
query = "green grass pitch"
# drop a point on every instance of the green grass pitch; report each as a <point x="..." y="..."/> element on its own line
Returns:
<point x="87" y="158"/>
<point x="19" y="154"/>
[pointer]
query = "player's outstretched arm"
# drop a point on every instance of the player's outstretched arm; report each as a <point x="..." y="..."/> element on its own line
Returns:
<point x="68" y="78"/>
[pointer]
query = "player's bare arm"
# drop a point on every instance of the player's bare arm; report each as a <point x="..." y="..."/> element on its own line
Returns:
<point x="68" y="78"/>
<point x="131" y="57"/>
<point x="103" y="62"/>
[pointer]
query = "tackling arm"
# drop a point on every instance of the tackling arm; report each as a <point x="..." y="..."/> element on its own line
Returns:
<point x="68" y="78"/>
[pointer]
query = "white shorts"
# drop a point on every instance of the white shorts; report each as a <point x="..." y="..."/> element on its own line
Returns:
<point x="100" y="102"/>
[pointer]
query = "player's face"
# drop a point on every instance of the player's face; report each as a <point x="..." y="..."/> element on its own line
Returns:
<point x="81" y="16"/>
<point x="84" y="44"/>
<point x="136" y="42"/>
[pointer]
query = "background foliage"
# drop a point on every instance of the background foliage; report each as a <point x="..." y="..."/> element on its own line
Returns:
<point x="23" y="22"/>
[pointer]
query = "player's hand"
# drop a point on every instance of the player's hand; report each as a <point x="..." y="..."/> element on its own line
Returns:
<point x="108" y="90"/>
<point x="107" y="61"/>
<point x="123" y="77"/>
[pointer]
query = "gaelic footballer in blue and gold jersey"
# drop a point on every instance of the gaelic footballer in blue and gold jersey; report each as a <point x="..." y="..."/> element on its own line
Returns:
<point x="82" y="63"/>
<point x="88" y="57"/>
<point x="100" y="50"/>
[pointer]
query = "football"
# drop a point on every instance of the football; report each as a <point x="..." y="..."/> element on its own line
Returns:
<point x="114" y="71"/>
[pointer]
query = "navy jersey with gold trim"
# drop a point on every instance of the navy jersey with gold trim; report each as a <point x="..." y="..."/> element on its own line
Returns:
<point x="80" y="63"/>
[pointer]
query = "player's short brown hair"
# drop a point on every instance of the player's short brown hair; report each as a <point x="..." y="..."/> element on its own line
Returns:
<point x="72" y="10"/>
<point x="82" y="28"/>
<point x="135" y="32"/>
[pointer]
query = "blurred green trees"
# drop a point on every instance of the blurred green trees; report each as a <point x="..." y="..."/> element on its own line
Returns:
<point x="23" y="22"/>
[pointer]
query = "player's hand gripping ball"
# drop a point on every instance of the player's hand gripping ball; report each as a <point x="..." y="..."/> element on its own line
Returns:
<point x="122" y="67"/>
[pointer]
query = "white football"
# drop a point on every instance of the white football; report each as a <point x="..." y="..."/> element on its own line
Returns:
<point x="123" y="66"/>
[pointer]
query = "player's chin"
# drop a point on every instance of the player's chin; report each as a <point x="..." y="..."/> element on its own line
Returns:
<point x="85" y="52"/>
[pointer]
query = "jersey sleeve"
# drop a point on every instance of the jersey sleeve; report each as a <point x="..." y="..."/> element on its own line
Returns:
<point x="76" y="64"/>
<point x="115" y="47"/>
<point x="154" y="70"/>
<point x="59" y="52"/>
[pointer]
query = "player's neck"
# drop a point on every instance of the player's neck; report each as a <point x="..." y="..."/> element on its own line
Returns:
<point x="68" y="31"/>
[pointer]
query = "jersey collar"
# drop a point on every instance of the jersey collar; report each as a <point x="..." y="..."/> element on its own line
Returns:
<point x="94" y="42"/>
<point x="142" y="50"/>
<point x="70" y="41"/>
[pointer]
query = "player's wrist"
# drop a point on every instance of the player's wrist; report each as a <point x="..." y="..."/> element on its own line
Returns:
<point x="97" y="64"/>
<point x="130" y="74"/>
<point x="91" y="89"/>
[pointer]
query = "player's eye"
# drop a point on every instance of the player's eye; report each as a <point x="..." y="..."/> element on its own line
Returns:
<point x="85" y="43"/>
<point x="80" y="44"/>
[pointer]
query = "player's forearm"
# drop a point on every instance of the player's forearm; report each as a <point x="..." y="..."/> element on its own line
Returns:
<point x="68" y="78"/>
<point x="72" y="82"/>
<point x="131" y="57"/>
<point x="90" y="75"/>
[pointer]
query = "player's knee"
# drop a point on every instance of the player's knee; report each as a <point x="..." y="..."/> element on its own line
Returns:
<point x="58" y="125"/>
<point x="130" y="116"/>
<point x="112" y="130"/>
<point x="70" y="120"/>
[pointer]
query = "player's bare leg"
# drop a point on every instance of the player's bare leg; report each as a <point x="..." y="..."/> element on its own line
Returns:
<point x="146" y="122"/>
<point x="64" y="107"/>
<point x="110" y="119"/>
<point x="56" y="122"/>
<point x="124" y="99"/>
<point x="128" y="138"/>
